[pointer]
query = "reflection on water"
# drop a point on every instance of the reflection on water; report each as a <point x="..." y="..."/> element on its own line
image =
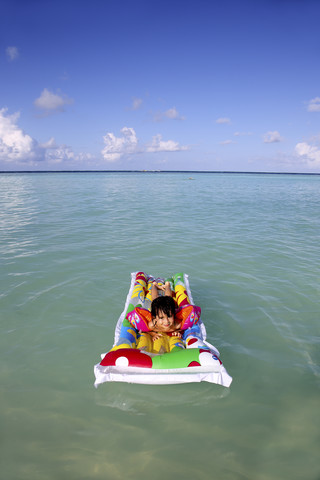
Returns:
<point x="18" y="204"/>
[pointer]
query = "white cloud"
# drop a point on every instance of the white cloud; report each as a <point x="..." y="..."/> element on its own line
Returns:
<point x="49" y="144"/>
<point x="227" y="142"/>
<point x="12" y="53"/>
<point x="59" y="154"/>
<point x="314" y="105"/>
<point x="54" y="153"/>
<point x="18" y="147"/>
<point x="272" y="137"/>
<point x="50" y="102"/>
<point x="128" y="144"/>
<point x="310" y="154"/>
<point x="136" y="103"/>
<point x="15" y="145"/>
<point x="117" y="147"/>
<point x="223" y="120"/>
<point x="171" y="114"/>
<point x="159" y="145"/>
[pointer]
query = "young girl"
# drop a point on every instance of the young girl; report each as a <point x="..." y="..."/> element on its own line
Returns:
<point x="157" y="317"/>
<point x="163" y="313"/>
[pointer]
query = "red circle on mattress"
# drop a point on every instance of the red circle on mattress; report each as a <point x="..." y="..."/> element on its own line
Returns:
<point x="135" y="358"/>
<point x="194" y="364"/>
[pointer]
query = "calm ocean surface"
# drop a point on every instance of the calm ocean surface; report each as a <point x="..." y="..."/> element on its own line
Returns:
<point x="250" y="244"/>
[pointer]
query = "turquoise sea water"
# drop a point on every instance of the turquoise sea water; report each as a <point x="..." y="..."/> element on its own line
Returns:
<point x="250" y="244"/>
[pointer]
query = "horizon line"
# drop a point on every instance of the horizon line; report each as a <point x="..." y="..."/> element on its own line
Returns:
<point x="161" y="171"/>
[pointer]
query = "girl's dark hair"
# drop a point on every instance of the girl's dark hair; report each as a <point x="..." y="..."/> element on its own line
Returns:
<point x="164" y="304"/>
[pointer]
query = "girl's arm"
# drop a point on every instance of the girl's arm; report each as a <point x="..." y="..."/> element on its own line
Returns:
<point x="167" y="289"/>
<point x="154" y="291"/>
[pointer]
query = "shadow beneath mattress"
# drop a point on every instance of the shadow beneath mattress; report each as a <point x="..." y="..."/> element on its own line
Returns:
<point x="138" y="398"/>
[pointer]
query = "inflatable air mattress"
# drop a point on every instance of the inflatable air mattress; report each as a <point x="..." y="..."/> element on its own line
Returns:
<point x="136" y="358"/>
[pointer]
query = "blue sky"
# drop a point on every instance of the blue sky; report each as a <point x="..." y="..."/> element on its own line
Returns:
<point x="163" y="85"/>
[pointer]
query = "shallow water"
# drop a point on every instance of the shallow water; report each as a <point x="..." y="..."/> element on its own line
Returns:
<point x="250" y="244"/>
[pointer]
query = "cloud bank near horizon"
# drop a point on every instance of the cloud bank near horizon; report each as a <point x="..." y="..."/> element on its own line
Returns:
<point x="16" y="146"/>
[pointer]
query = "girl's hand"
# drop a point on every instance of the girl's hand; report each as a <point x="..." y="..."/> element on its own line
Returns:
<point x="176" y="334"/>
<point x="160" y="286"/>
<point x="156" y="336"/>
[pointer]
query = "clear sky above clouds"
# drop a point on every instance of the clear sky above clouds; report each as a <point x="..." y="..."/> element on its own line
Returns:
<point x="163" y="85"/>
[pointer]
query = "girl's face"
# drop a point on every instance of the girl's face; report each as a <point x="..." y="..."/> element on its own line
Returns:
<point x="162" y="322"/>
